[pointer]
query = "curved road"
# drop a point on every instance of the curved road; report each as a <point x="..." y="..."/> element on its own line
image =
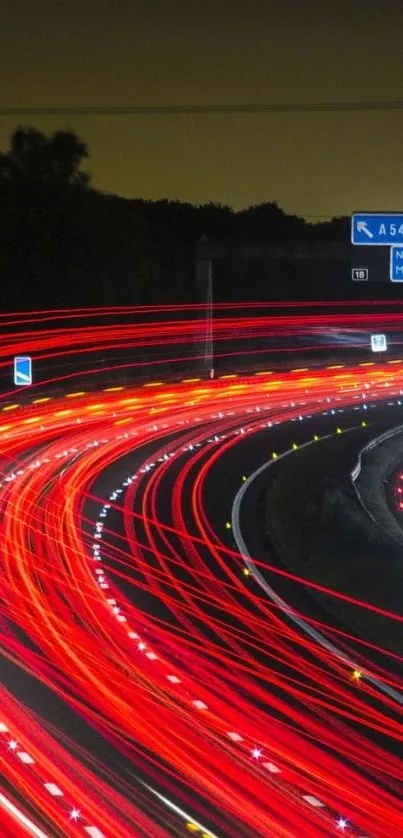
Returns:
<point x="151" y="688"/>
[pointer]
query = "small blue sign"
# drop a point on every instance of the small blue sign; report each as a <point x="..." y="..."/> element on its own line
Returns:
<point x="396" y="264"/>
<point x="371" y="228"/>
<point x="22" y="371"/>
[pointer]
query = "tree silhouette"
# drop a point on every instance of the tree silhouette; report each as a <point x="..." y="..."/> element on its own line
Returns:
<point x="33" y="158"/>
<point x="63" y="245"/>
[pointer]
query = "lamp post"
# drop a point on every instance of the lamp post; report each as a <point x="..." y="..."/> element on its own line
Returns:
<point x="204" y="287"/>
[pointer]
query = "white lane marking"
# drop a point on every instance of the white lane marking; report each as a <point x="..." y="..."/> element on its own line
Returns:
<point x="24" y="757"/>
<point x="53" y="789"/>
<point x="312" y="800"/>
<point x="21" y="818"/>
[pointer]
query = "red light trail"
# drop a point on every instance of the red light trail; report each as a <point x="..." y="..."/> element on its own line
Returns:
<point x="130" y="605"/>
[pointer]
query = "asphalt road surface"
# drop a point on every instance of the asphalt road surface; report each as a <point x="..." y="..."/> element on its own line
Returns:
<point x="168" y="694"/>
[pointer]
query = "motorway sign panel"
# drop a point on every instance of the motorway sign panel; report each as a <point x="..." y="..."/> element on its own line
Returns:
<point x="374" y="228"/>
<point x="22" y="371"/>
<point x="379" y="343"/>
<point x="396" y="264"/>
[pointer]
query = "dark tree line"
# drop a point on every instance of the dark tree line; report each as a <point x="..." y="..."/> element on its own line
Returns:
<point x="36" y="160"/>
<point x="63" y="243"/>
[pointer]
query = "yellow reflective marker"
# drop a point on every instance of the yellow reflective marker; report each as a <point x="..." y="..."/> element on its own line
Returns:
<point x="309" y="380"/>
<point x="227" y="525"/>
<point x="275" y="383"/>
<point x="41" y="400"/>
<point x="75" y="395"/>
<point x="363" y="424"/>
<point x="294" y="446"/>
<point x="192" y="827"/>
<point x="357" y="674"/>
<point x="246" y="571"/>
<point x="316" y="438"/>
<point x="274" y="455"/>
<point x="154" y="384"/>
<point x="11" y="407"/>
<point x="339" y="431"/>
<point x="62" y="412"/>
<point x="244" y="478"/>
<point x="112" y="389"/>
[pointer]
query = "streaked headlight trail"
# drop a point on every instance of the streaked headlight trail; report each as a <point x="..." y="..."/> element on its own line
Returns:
<point x="125" y="601"/>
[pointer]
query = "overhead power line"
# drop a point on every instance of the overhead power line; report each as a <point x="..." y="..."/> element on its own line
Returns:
<point x="151" y="110"/>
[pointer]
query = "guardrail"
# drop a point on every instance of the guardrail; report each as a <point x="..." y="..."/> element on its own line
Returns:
<point x="355" y="472"/>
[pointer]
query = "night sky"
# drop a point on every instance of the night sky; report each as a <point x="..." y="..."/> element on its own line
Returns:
<point x="162" y="52"/>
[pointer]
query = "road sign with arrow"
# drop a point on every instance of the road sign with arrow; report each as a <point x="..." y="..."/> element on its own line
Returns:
<point x="372" y="228"/>
<point x="377" y="252"/>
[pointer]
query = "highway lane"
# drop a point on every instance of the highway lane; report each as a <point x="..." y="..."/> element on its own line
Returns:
<point x="248" y="509"/>
<point x="194" y="693"/>
<point x="150" y="466"/>
<point x="92" y="349"/>
<point x="230" y="474"/>
<point x="57" y="718"/>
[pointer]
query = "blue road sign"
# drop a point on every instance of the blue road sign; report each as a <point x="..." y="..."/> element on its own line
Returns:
<point x="22" y="371"/>
<point x="396" y="264"/>
<point x="372" y="228"/>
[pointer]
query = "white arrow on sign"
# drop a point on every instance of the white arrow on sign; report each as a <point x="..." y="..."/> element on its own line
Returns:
<point x="21" y="376"/>
<point x="362" y="228"/>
